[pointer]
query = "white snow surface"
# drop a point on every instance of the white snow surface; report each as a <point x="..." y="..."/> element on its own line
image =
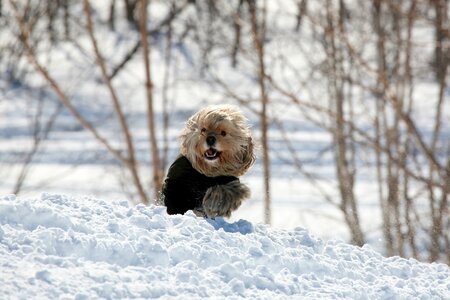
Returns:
<point x="56" y="246"/>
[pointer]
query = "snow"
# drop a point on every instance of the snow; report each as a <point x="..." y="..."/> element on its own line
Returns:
<point x="55" y="246"/>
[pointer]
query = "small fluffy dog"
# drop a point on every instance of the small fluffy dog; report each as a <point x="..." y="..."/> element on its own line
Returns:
<point x="217" y="148"/>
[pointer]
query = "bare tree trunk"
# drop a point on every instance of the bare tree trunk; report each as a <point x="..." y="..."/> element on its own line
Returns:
<point x="165" y="94"/>
<point x="380" y="111"/>
<point x="130" y="11"/>
<point x="445" y="209"/>
<point x="208" y="39"/>
<point x="258" y="32"/>
<point x="393" y="132"/>
<point x="112" y="15"/>
<point x="408" y="200"/>
<point x="382" y="123"/>
<point x="237" y="33"/>
<point x="393" y="196"/>
<point x="51" y="8"/>
<point x="302" y="7"/>
<point x="344" y="171"/>
<point x="66" y="6"/>
<point x="441" y="58"/>
<point x="388" y="238"/>
<point x="408" y="207"/>
<point x="441" y="68"/>
<point x="155" y="158"/>
<point x="345" y="176"/>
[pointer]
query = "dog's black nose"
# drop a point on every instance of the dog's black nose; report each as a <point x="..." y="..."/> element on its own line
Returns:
<point x="210" y="140"/>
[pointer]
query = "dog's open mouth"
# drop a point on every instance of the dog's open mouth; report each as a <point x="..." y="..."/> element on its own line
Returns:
<point x="211" y="154"/>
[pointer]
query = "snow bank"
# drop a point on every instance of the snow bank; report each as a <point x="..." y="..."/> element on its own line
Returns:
<point x="59" y="247"/>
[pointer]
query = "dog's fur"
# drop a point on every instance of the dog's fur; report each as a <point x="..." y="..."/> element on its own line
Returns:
<point x="217" y="142"/>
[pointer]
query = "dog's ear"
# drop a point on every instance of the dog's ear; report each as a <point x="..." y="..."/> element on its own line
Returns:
<point x="188" y="136"/>
<point x="249" y="157"/>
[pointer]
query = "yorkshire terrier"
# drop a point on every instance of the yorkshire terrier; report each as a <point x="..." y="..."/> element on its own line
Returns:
<point x="217" y="148"/>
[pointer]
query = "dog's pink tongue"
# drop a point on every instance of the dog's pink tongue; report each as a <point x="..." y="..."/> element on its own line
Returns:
<point x="210" y="152"/>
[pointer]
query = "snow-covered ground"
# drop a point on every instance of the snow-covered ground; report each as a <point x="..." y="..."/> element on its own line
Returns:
<point x="55" y="246"/>
<point x="70" y="161"/>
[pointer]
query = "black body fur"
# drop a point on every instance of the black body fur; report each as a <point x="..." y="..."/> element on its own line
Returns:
<point x="185" y="188"/>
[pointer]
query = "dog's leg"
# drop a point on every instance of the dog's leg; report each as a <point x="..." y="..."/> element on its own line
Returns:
<point x="221" y="200"/>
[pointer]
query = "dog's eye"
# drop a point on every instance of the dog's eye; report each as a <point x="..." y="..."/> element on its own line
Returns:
<point x="203" y="130"/>
<point x="223" y="133"/>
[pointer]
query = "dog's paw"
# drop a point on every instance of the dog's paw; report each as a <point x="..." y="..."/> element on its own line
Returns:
<point x="221" y="200"/>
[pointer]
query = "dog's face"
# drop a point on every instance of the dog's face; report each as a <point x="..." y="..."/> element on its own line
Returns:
<point x="217" y="141"/>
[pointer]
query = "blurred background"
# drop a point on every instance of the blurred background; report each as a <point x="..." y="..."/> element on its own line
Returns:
<point x="348" y="100"/>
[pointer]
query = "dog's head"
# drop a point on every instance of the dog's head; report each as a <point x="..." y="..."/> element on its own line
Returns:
<point x="217" y="141"/>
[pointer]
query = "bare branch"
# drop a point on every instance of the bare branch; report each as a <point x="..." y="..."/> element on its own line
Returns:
<point x="24" y="37"/>
<point x="131" y="162"/>
<point x="155" y="158"/>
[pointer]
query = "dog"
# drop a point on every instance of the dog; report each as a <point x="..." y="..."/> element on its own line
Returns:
<point x="216" y="148"/>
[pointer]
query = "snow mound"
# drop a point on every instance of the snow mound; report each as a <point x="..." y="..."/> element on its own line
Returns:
<point x="59" y="247"/>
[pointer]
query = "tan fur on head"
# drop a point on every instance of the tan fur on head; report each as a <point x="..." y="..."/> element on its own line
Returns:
<point x="232" y="151"/>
